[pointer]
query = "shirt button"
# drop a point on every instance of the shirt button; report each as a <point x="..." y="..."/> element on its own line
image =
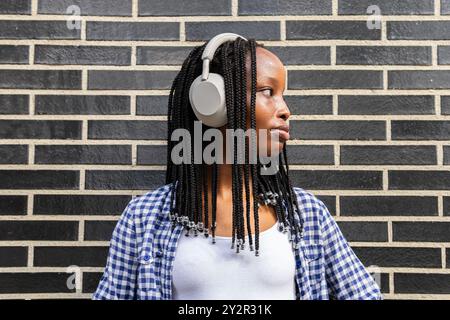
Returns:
<point x="147" y="258"/>
<point x="159" y="253"/>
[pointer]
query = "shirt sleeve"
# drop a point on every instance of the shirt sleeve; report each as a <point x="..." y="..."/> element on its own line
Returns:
<point x="118" y="279"/>
<point x="347" y="277"/>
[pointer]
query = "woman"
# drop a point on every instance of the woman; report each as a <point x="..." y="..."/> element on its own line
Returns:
<point x="295" y="249"/>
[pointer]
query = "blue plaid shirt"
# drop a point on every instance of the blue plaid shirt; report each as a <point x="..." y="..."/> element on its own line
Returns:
<point x="143" y="246"/>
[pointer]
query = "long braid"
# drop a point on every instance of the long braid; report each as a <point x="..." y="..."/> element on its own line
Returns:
<point x="253" y="142"/>
<point x="206" y="198"/>
<point x="243" y="126"/>
<point x="214" y="179"/>
<point x="229" y="100"/>
<point x="239" y="106"/>
<point x="247" y="151"/>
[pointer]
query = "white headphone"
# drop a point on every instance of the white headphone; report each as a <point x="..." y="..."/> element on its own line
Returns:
<point x="207" y="92"/>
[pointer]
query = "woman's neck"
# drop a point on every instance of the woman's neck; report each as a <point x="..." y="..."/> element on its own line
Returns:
<point x="225" y="182"/>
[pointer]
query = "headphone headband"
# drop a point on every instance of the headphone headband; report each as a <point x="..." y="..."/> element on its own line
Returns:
<point x="212" y="46"/>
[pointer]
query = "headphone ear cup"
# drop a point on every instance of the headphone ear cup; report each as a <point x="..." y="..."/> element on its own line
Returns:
<point x="207" y="99"/>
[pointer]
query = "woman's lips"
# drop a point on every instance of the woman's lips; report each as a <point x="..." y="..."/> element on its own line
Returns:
<point x="283" y="134"/>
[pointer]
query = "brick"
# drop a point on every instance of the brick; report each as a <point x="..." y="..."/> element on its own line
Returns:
<point x="152" y="155"/>
<point x="66" y="256"/>
<point x="446" y="207"/>
<point x="387" y="7"/>
<point x="421" y="231"/>
<point x="91" y="281"/>
<point x="80" y="104"/>
<point x="388" y="206"/>
<point x="384" y="283"/>
<point x="102" y="30"/>
<point x="129" y="130"/>
<point x="445" y="7"/>
<point x="92" y="204"/>
<point x="284" y="7"/>
<point x="40" y="79"/>
<point x="83" y="154"/>
<point x="162" y="55"/>
<point x="13" y="256"/>
<point x="317" y="104"/>
<point x="400" y="257"/>
<point x="15" y="7"/>
<point x="364" y="231"/>
<point x="13" y="205"/>
<point x="13" y="154"/>
<point x="385" y="104"/>
<point x="335" y="79"/>
<point x="26" y="29"/>
<point x="13" y="54"/>
<point x="34" y="282"/>
<point x="417" y="283"/>
<point x="302" y="55"/>
<point x="444" y="55"/>
<point x="151" y="105"/>
<point x="14" y="104"/>
<point x="420" y="130"/>
<point x="86" y="55"/>
<point x="446" y="155"/>
<point x="98" y="230"/>
<point x="86" y="7"/>
<point x="326" y="30"/>
<point x="383" y="55"/>
<point x="329" y="201"/>
<point x="419" y="79"/>
<point x="418" y="30"/>
<point x="191" y="8"/>
<point x="261" y="30"/>
<point x="445" y="104"/>
<point x="130" y="80"/>
<point x="337" y="179"/>
<point x="309" y="154"/>
<point x="39" y="230"/>
<point x="337" y="130"/>
<point x="39" y="179"/>
<point x="419" y="180"/>
<point x="388" y="155"/>
<point x="124" y="179"/>
<point x="40" y="129"/>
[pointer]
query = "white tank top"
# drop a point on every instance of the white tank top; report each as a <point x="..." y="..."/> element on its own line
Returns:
<point x="206" y="271"/>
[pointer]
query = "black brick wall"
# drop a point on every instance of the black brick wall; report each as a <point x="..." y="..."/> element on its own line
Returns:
<point x="83" y="126"/>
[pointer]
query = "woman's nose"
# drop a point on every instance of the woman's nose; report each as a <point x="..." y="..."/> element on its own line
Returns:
<point x="283" y="111"/>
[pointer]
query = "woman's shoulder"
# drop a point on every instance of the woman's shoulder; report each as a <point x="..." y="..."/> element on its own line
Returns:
<point x="151" y="204"/>
<point x="154" y="196"/>
<point x="313" y="210"/>
<point x="307" y="200"/>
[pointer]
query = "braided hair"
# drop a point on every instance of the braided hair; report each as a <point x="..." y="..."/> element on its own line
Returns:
<point x="189" y="181"/>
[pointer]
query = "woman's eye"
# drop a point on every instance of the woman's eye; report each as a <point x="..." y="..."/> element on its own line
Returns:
<point x="269" y="90"/>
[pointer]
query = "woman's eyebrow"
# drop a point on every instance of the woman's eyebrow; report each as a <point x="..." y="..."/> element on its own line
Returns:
<point x="270" y="78"/>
